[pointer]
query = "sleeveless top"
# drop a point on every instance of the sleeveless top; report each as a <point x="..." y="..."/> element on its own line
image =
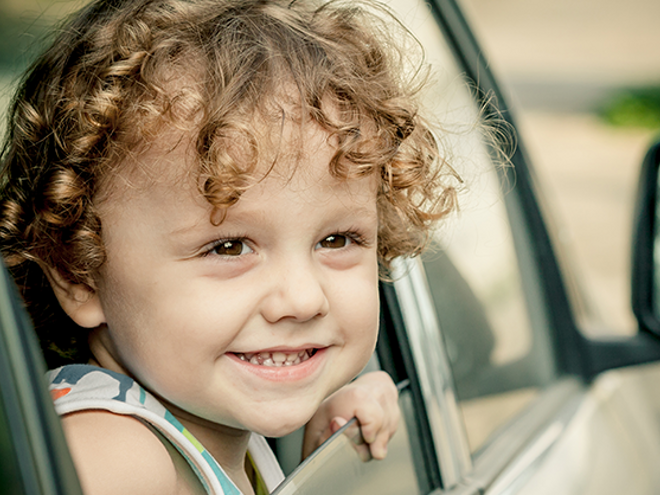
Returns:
<point x="81" y="387"/>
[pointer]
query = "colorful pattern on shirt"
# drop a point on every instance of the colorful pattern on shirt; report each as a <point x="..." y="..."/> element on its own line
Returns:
<point x="81" y="387"/>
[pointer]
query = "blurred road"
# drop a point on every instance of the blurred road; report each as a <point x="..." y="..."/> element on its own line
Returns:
<point x="559" y="60"/>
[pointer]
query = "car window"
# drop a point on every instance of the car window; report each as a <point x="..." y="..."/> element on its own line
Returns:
<point x="496" y="339"/>
<point x="481" y="275"/>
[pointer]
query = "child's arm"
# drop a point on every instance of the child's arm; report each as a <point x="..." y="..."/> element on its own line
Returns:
<point x="372" y="399"/>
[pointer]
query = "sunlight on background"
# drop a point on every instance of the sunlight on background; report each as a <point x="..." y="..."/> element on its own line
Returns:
<point x="584" y="79"/>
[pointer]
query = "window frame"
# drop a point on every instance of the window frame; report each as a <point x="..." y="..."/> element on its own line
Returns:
<point x="424" y="338"/>
<point x="577" y="355"/>
<point x="35" y="432"/>
<point x="469" y="56"/>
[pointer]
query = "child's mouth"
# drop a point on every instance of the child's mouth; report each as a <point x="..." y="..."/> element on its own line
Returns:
<point x="276" y="359"/>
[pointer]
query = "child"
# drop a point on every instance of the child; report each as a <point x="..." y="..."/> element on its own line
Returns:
<point x="197" y="198"/>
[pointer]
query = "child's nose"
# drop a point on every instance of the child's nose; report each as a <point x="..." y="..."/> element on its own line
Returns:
<point x="296" y="292"/>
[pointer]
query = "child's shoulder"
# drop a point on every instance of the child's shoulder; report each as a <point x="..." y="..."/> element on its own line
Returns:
<point x="118" y="454"/>
<point x="114" y="452"/>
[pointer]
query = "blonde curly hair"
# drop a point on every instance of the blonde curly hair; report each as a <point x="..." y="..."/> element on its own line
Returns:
<point x="108" y="85"/>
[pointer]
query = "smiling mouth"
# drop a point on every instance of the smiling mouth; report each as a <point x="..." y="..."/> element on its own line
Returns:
<point x="276" y="359"/>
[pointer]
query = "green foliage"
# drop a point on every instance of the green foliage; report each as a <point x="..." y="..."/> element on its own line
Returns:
<point x="634" y="107"/>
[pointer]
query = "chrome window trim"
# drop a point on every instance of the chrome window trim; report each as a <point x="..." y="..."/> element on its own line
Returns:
<point x="539" y="429"/>
<point x="522" y="469"/>
<point x="514" y="453"/>
<point x="434" y="373"/>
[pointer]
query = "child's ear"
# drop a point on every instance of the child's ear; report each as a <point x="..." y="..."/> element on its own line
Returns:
<point x="79" y="301"/>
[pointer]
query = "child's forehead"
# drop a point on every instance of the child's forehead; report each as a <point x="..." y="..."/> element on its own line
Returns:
<point x="292" y="155"/>
<point x="289" y="191"/>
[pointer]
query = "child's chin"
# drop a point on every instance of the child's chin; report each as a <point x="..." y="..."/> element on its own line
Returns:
<point x="281" y="428"/>
<point x="279" y="431"/>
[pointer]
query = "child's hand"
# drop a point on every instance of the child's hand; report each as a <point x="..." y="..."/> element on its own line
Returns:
<point x="372" y="399"/>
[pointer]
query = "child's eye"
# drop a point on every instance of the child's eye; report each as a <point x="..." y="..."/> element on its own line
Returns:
<point x="230" y="247"/>
<point x="336" y="241"/>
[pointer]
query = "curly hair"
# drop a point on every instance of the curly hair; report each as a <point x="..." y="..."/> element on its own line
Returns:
<point x="121" y="70"/>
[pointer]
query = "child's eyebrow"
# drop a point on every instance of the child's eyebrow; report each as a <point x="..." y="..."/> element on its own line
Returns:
<point x="237" y="219"/>
<point x="187" y="229"/>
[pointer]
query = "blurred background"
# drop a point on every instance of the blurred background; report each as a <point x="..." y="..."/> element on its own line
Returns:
<point x="584" y="81"/>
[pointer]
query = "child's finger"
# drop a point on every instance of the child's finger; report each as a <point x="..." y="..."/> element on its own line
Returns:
<point x="372" y="419"/>
<point x="364" y="452"/>
<point x="378" y="447"/>
<point x="377" y="428"/>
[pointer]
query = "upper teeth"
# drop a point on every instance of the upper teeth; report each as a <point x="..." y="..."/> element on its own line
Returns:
<point x="276" y="358"/>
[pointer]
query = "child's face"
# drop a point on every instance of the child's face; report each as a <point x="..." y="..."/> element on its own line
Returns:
<point x="205" y="315"/>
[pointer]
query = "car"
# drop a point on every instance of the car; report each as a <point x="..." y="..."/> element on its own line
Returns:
<point x="501" y="391"/>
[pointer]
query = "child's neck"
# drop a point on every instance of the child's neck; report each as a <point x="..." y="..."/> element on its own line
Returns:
<point x="227" y="445"/>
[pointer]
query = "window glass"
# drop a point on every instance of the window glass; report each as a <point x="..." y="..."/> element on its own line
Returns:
<point x="481" y="275"/>
<point x="338" y="466"/>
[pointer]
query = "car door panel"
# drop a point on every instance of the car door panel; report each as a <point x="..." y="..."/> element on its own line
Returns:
<point x="611" y="444"/>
